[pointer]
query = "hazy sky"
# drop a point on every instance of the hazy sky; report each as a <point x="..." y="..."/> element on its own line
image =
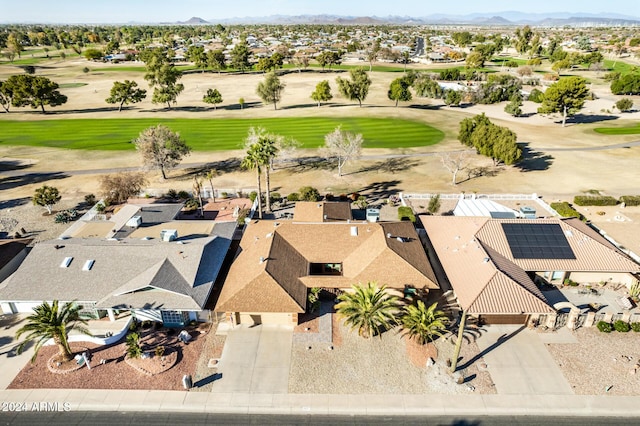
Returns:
<point x="118" y="11"/>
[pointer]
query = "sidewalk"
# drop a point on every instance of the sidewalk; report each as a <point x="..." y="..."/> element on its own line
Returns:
<point x="244" y="403"/>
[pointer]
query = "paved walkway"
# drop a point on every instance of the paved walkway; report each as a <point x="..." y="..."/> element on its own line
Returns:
<point x="10" y="362"/>
<point x="255" y="360"/>
<point x="519" y="362"/>
<point x="325" y="331"/>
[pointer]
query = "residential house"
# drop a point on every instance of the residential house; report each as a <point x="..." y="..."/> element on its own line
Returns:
<point x="155" y="269"/>
<point x="493" y="265"/>
<point x="279" y="261"/>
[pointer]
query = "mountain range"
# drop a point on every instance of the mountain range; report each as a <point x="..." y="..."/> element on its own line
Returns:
<point x="481" y="19"/>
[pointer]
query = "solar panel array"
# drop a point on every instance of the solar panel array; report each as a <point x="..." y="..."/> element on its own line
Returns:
<point x="537" y="241"/>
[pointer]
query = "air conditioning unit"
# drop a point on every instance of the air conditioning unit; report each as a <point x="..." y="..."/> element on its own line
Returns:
<point x="135" y="221"/>
<point x="168" y="235"/>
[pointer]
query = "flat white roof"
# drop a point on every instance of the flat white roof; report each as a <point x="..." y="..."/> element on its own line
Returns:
<point x="484" y="208"/>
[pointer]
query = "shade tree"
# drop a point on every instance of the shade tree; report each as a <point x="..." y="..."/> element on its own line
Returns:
<point x="357" y="87"/>
<point x="212" y="96"/>
<point x="161" y="148"/>
<point x="566" y="96"/>
<point x="270" y="89"/>
<point x="342" y="147"/>
<point x="322" y="92"/>
<point x="124" y="93"/>
<point x="46" y="196"/>
<point x="162" y="76"/>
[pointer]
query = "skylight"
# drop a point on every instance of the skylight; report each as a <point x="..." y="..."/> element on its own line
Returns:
<point x="66" y="262"/>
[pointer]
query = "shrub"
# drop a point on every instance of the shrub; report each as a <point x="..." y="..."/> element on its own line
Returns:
<point x="570" y="283"/>
<point x="159" y="351"/>
<point x="594" y="200"/>
<point x="242" y="216"/>
<point x="275" y="197"/>
<point x="191" y="204"/>
<point x="604" y="327"/>
<point x="630" y="200"/>
<point x="184" y="195"/>
<point x="511" y="64"/>
<point x="66" y="216"/>
<point x="534" y="61"/>
<point x="253" y="195"/>
<point x="405" y="213"/>
<point x="635" y="326"/>
<point x="133" y="345"/>
<point x="223" y="195"/>
<point x="621" y="326"/>
<point x="100" y="207"/>
<point x="564" y="209"/>
<point x="172" y="194"/>
<point x="624" y="104"/>
<point x="309" y="193"/>
<point x="536" y="96"/>
<point x="361" y="202"/>
<point x="90" y="199"/>
<point x="434" y="204"/>
<point x="294" y="196"/>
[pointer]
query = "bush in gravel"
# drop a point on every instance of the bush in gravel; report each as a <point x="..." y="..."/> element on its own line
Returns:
<point x="294" y="196"/>
<point x="564" y="209"/>
<point x="594" y="200"/>
<point x="630" y="200"/>
<point x="635" y="326"/>
<point x="309" y="193"/>
<point x="133" y="345"/>
<point x="90" y="199"/>
<point x="621" y="326"/>
<point x="604" y="327"/>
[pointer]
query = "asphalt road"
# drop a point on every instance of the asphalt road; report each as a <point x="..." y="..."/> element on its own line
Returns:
<point x="172" y="419"/>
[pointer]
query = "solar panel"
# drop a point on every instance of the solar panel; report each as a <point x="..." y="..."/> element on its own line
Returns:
<point x="537" y="241"/>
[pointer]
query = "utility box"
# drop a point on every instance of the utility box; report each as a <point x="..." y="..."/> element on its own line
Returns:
<point x="528" y="212"/>
<point x="169" y="235"/>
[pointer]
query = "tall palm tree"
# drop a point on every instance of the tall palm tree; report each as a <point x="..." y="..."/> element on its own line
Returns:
<point x="368" y="308"/>
<point x="269" y="150"/>
<point x="209" y="176"/>
<point x="253" y="161"/>
<point x="424" y="323"/>
<point x="52" y="322"/>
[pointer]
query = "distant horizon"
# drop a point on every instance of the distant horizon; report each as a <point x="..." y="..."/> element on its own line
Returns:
<point x="165" y="11"/>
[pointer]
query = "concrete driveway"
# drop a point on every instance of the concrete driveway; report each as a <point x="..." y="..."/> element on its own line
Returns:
<point x="255" y="360"/>
<point x="519" y="362"/>
<point x="10" y="362"/>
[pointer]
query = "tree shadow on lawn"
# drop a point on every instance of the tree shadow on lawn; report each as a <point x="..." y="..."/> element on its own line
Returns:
<point x="12" y="182"/>
<point x="389" y="165"/>
<point x="8" y="204"/>
<point x="228" y="165"/>
<point x="380" y="190"/>
<point x="533" y="160"/>
<point x="10" y="165"/>
<point x="588" y="118"/>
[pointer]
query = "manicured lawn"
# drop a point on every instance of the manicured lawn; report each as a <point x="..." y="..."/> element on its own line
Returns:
<point x="629" y="130"/>
<point x="499" y="60"/>
<point x="621" y="67"/>
<point x="71" y="85"/>
<point x="213" y="134"/>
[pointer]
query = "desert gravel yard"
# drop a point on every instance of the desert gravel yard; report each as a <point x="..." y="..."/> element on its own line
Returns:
<point x="374" y="366"/>
<point x="599" y="363"/>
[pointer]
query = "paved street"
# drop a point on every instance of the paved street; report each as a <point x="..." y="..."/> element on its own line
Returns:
<point x="255" y="360"/>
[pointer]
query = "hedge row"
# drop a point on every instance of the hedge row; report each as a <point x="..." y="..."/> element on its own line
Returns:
<point x="564" y="209"/>
<point x="594" y="200"/>
<point x="630" y="200"/>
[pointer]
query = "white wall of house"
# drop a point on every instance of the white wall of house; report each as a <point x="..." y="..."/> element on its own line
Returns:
<point x="596" y="277"/>
<point x="255" y="318"/>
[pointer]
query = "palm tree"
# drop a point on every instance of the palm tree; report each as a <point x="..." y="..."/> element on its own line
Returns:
<point x="52" y="322"/>
<point x="368" y="308"/>
<point x="253" y="161"/>
<point x="209" y="176"/>
<point x="424" y="323"/>
<point x="269" y="150"/>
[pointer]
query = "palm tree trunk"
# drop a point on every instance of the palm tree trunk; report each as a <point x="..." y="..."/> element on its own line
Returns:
<point x="63" y="351"/>
<point x="456" y="352"/>
<point x="267" y="180"/>
<point x="258" y="172"/>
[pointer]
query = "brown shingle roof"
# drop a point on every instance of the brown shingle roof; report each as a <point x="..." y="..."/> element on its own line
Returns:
<point x="287" y="249"/>
<point x="322" y="211"/>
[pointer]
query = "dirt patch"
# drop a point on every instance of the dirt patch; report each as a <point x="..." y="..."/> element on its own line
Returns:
<point x="419" y="354"/>
<point x="114" y="373"/>
<point x="600" y="363"/>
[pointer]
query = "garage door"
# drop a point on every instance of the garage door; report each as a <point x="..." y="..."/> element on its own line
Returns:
<point x="265" y="318"/>
<point x="504" y="319"/>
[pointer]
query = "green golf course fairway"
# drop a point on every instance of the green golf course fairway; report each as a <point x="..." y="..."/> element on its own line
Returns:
<point x="213" y="134"/>
<point x="627" y="130"/>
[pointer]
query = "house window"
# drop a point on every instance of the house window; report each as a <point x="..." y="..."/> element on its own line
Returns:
<point x="174" y="317"/>
<point x="325" y="269"/>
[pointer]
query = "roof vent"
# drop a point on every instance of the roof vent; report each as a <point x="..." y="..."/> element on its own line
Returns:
<point x="88" y="265"/>
<point x="145" y="238"/>
<point x="135" y="221"/>
<point x="388" y="234"/>
<point x="354" y="231"/>
<point x="66" y="262"/>
<point x="568" y="233"/>
<point x="402" y="240"/>
<point x="485" y="260"/>
<point x="269" y="235"/>
<point x="169" y="234"/>
<point x="261" y="260"/>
